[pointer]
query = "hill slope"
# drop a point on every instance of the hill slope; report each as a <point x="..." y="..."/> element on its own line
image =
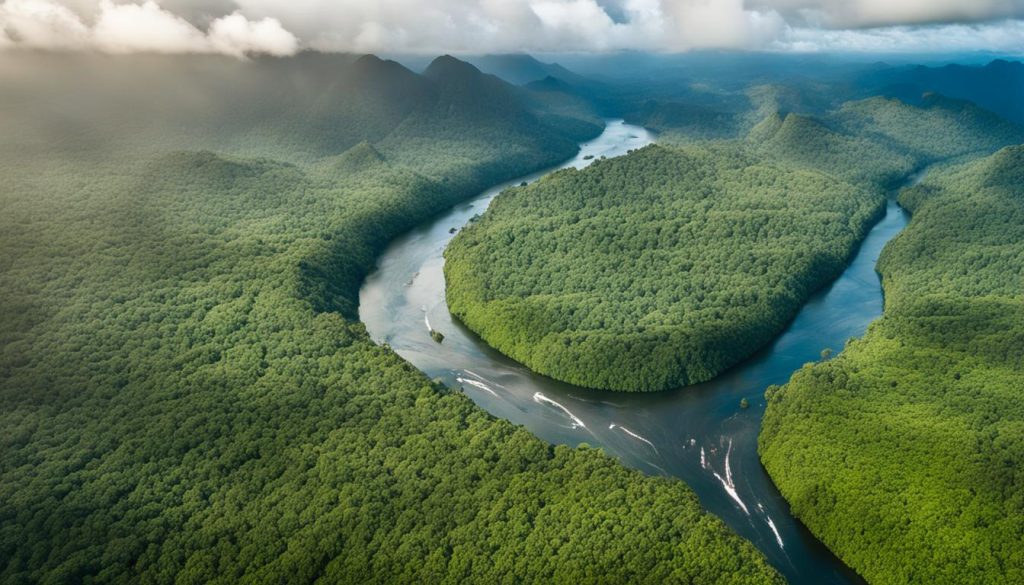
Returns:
<point x="807" y="142"/>
<point x="939" y="128"/>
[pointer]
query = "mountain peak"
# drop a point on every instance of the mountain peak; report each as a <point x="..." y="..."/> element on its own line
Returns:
<point x="549" y="83"/>
<point x="371" y="64"/>
<point x="447" y="66"/>
<point x="360" y="157"/>
<point x="368" y="60"/>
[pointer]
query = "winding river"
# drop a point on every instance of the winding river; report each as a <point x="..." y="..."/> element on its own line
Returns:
<point x="699" y="433"/>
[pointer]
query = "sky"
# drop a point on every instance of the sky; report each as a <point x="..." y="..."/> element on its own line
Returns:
<point x="283" y="27"/>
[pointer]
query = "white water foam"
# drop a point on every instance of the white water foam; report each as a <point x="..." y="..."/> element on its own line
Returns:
<point x="482" y="379"/>
<point x="476" y="384"/>
<point x="778" y="537"/>
<point x="539" y="398"/>
<point x="634" y="435"/>
<point x="727" y="483"/>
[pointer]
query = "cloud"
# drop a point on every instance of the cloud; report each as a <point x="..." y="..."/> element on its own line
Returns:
<point x="996" y="37"/>
<point x="136" y="28"/>
<point x="838" y="14"/>
<point x="129" y="28"/>
<point x="236" y="35"/>
<point x="280" y="27"/>
<point x="721" y="24"/>
<point x="520" y="25"/>
<point x="42" y="24"/>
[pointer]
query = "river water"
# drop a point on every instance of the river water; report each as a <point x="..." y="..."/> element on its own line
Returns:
<point x="698" y="433"/>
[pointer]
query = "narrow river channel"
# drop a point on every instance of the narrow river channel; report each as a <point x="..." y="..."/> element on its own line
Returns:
<point x="698" y="434"/>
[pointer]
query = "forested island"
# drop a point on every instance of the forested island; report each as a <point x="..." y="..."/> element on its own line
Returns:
<point x="653" y="270"/>
<point x="904" y="453"/>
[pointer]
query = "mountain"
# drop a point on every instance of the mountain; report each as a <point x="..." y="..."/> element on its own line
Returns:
<point x="297" y="109"/>
<point x="937" y="127"/>
<point x="519" y="69"/>
<point x="812" y="143"/>
<point x="997" y="86"/>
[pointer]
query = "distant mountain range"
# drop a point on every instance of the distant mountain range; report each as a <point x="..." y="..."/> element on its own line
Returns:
<point x="299" y="108"/>
<point x="998" y="86"/>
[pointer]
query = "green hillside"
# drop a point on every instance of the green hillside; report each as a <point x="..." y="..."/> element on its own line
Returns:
<point x="807" y="142"/>
<point x="654" y="270"/>
<point x="879" y="141"/>
<point x="186" y="394"/>
<point x="939" y="128"/>
<point x="905" y="453"/>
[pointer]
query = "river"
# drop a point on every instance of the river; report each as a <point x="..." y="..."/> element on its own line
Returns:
<point x="698" y="433"/>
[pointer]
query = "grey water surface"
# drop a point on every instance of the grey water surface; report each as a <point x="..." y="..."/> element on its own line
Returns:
<point x="698" y="433"/>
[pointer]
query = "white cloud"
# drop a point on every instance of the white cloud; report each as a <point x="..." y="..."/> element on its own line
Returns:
<point x="42" y="24"/>
<point x="236" y="35"/>
<point x="880" y="13"/>
<point x="478" y="26"/>
<point x="519" y="25"/>
<point x="238" y="27"/>
<point x="129" y="28"/>
<point x="997" y="37"/>
<point x="133" y="28"/>
<point x="721" y="24"/>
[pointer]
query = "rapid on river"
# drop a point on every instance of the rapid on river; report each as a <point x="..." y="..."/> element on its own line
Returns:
<point x="698" y="433"/>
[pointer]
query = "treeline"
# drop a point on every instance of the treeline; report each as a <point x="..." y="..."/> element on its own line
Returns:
<point x="905" y="453"/>
<point x="654" y="270"/>
<point x="187" y="397"/>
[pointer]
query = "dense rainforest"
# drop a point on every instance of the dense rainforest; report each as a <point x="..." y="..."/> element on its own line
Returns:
<point x="654" y="270"/>
<point x="905" y="453"/>
<point x="667" y="266"/>
<point x="186" y="394"/>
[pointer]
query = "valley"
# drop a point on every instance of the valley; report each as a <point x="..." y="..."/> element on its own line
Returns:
<point x="295" y="315"/>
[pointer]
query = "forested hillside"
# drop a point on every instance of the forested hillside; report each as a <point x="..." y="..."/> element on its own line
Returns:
<point x="905" y="453"/>
<point x="654" y="270"/>
<point x="185" y="394"/>
<point x="938" y="128"/>
<point x="881" y="141"/>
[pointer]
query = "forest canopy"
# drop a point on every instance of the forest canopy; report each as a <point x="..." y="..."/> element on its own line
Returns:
<point x="904" y="454"/>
